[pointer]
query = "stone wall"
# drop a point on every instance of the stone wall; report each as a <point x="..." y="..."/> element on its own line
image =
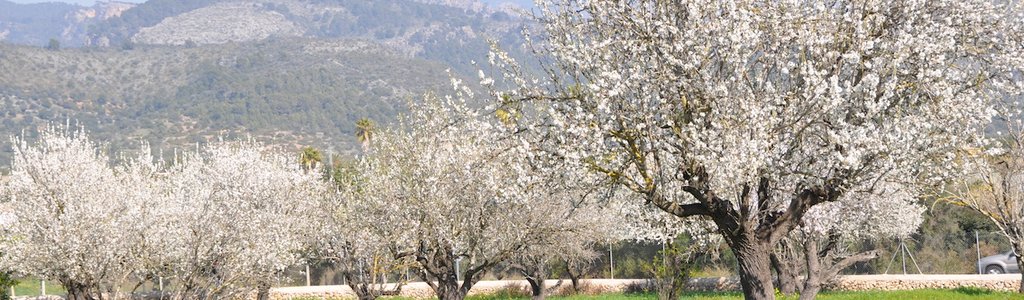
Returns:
<point x="1005" y="282"/>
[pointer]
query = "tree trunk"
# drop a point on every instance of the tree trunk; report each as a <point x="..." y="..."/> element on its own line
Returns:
<point x="750" y="227"/>
<point x="77" y="291"/>
<point x="575" y="284"/>
<point x="360" y="288"/>
<point x="574" y="278"/>
<point x="1017" y="247"/>
<point x="363" y="292"/>
<point x="782" y="261"/>
<point x="450" y="290"/>
<point x="263" y="291"/>
<point x="754" y="267"/>
<point x="536" y="287"/>
<point x="812" y="284"/>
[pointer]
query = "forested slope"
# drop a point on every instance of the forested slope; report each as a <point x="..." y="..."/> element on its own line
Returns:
<point x="295" y="91"/>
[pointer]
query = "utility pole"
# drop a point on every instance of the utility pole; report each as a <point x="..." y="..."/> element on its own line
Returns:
<point x="458" y="273"/>
<point x="611" y="261"/>
<point x="977" y="246"/>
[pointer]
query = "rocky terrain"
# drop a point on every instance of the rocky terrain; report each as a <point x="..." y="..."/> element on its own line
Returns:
<point x="219" y="23"/>
<point x="36" y="24"/>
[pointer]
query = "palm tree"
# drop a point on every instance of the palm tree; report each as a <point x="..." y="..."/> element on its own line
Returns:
<point x="310" y="157"/>
<point x="364" y="131"/>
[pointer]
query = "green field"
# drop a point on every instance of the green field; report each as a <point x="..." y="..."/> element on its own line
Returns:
<point x="961" y="293"/>
<point x="29" y="287"/>
<point x="32" y="287"/>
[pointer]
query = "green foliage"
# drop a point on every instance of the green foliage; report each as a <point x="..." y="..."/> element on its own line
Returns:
<point x="364" y="130"/>
<point x="6" y="282"/>
<point x="310" y="158"/>
<point x="672" y="269"/>
<point x="54" y="44"/>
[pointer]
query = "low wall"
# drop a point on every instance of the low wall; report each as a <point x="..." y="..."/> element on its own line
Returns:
<point x="422" y="290"/>
<point x="1003" y="282"/>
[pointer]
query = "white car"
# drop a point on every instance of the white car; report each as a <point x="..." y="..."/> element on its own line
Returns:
<point x="999" y="264"/>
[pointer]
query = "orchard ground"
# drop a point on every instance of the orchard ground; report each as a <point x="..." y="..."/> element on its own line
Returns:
<point x="961" y="293"/>
<point x="873" y="287"/>
<point x="847" y="287"/>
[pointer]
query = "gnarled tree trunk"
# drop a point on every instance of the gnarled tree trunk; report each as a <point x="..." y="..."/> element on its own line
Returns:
<point x="263" y="291"/>
<point x="750" y="226"/>
<point x="574" y="278"/>
<point x="783" y="260"/>
<point x="535" y="271"/>
<point x="820" y="266"/>
<point x="755" y="271"/>
<point x="537" y="291"/>
<point x="450" y="289"/>
<point x="439" y="272"/>
<point x="77" y="290"/>
<point x="812" y="283"/>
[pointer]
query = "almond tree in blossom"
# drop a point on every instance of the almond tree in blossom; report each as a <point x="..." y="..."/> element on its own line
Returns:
<point x="233" y="219"/>
<point x="994" y="183"/>
<point x="75" y="217"/>
<point x="751" y="113"/>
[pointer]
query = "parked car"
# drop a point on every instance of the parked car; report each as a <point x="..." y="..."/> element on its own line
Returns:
<point x="1001" y="263"/>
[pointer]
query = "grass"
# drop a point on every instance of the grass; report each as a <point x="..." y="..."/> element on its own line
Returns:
<point x="960" y="293"/>
<point x="928" y="294"/>
<point x="31" y="287"/>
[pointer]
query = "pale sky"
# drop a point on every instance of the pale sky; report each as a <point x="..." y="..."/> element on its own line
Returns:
<point x="523" y="3"/>
<point x="79" y="2"/>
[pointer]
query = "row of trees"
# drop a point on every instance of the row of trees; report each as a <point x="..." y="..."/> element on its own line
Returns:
<point x="448" y="194"/>
<point x="218" y="221"/>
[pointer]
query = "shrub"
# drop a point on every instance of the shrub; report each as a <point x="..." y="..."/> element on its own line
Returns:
<point x="640" y="287"/>
<point x="512" y="290"/>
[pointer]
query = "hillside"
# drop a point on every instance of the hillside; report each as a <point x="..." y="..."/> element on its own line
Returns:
<point x="175" y="72"/>
<point x="454" y="32"/>
<point x="283" y="90"/>
<point x="451" y="32"/>
<point x="35" y="24"/>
